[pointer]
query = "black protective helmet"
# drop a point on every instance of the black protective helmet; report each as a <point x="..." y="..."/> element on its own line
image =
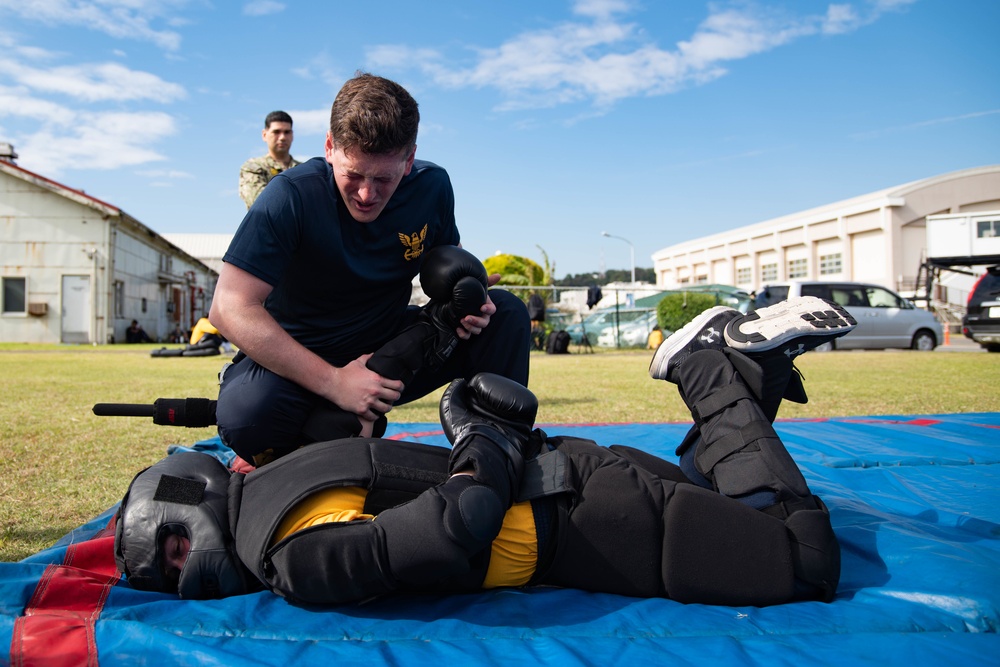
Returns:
<point x="184" y="494"/>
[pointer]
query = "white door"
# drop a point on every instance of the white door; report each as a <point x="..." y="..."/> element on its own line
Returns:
<point x="76" y="309"/>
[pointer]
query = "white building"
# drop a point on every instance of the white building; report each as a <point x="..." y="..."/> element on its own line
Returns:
<point x="878" y="238"/>
<point x="208" y="248"/>
<point x="75" y="269"/>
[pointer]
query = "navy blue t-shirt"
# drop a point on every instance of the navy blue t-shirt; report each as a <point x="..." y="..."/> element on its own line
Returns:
<point x="341" y="287"/>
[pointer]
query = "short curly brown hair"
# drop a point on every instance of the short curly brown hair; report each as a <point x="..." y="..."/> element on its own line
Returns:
<point x="374" y="115"/>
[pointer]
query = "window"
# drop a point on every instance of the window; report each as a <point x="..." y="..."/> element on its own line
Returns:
<point x="829" y="264"/>
<point x="849" y="295"/>
<point x="701" y="280"/>
<point x="119" y="297"/>
<point x="772" y="294"/>
<point x="14" y="295"/>
<point x="821" y="290"/>
<point x="798" y="268"/>
<point x="743" y="276"/>
<point x="769" y="272"/>
<point x="988" y="229"/>
<point x="880" y="298"/>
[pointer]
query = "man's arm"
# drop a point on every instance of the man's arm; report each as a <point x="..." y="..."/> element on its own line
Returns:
<point x="238" y="313"/>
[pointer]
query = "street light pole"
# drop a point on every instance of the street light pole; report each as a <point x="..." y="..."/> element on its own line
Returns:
<point x="631" y="251"/>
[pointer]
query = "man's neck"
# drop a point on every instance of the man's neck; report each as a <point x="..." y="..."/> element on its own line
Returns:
<point x="283" y="160"/>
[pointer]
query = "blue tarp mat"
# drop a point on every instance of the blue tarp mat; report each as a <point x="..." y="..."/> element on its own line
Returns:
<point x="914" y="502"/>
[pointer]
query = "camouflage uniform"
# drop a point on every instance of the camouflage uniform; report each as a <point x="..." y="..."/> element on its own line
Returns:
<point x="258" y="172"/>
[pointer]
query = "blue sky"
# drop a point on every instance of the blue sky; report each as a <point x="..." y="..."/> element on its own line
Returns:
<point x="656" y="121"/>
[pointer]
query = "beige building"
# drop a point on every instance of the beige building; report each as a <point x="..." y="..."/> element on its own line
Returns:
<point x="75" y="269"/>
<point x="878" y="238"/>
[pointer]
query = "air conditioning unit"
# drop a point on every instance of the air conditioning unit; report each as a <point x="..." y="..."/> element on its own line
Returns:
<point x="38" y="309"/>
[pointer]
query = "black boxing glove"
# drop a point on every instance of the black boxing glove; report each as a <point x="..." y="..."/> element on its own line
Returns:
<point x="456" y="282"/>
<point x="488" y="421"/>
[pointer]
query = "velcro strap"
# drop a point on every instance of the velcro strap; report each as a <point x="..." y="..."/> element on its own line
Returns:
<point x="719" y="400"/>
<point x="733" y="442"/>
<point x="544" y="475"/>
<point x="180" y="490"/>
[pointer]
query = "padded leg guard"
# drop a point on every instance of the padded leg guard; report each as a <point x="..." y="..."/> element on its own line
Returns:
<point x="494" y="462"/>
<point x="770" y="378"/>
<point x="815" y="553"/>
<point x="438" y="536"/>
<point x="403" y="355"/>
<point x="718" y="551"/>
<point x="738" y="449"/>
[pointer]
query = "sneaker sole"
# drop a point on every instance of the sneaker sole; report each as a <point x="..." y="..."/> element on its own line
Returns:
<point x="808" y="320"/>
<point x="679" y="340"/>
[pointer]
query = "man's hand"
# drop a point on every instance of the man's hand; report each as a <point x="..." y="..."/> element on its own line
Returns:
<point x="238" y="313"/>
<point x="474" y="324"/>
<point x="364" y="392"/>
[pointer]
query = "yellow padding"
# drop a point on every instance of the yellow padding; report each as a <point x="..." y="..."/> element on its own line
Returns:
<point x="515" y="551"/>
<point x="345" y="503"/>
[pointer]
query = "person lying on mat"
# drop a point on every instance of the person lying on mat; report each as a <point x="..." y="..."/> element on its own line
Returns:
<point x="734" y="523"/>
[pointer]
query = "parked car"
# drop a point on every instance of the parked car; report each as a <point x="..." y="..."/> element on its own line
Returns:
<point x="982" y="319"/>
<point x="885" y="319"/>
<point x="598" y="321"/>
<point x="634" y="333"/>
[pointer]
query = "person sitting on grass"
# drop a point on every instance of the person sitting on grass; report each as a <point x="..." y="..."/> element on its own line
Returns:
<point x="136" y="334"/>
<point x="734" y="523"/>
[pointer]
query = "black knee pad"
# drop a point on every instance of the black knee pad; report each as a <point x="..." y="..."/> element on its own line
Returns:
<point x="435" y="537"/>
<point x="718" y="551"/>
<point x="337" y="563"/>
<point x="478" y="519"/>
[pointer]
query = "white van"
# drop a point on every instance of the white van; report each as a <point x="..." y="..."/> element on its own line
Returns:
<point x="885" y="319"/>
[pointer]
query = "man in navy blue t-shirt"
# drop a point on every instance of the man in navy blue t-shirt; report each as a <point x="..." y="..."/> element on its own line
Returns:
<point x="319" y="276"/>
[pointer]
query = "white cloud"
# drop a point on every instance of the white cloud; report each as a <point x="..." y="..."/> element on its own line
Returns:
<point x="124" y="19"/>
<point x="93" y="82"/>
<point x="104" y="140"/>
<point x="840" y="19"/>
<point x="311" y="121"/>
<point x="600" y="8"/>
<point x="322" y="67"/>
<point x="263" y="7"/>
<point x="874" y="134"/>
<point x="84" y="115"/>
<point x="16" y="102"/>
<point x="601" y="59"/>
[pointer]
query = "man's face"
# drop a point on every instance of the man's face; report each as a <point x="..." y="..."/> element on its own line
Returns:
<point x="367" y="182"/>
<point x="175" y="552"/>
<point x="278" y="137"/>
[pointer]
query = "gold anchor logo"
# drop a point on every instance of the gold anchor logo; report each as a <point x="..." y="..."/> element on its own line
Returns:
<point x="414" y="243"/>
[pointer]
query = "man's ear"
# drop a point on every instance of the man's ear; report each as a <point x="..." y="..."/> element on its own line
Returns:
<point x="328" y="148"/>
<point x="409" y="160"/>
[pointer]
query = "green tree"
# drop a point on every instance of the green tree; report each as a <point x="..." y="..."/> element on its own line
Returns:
<point x="609" y="276"/>
<point x="517" y="270"/>
<point x="675" y="310"/>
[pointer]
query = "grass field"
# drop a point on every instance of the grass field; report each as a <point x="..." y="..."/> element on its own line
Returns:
<point x="60" y="465"/>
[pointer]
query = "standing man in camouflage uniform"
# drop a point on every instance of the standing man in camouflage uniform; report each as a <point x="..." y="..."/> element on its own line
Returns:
<point x="258" y="171"/>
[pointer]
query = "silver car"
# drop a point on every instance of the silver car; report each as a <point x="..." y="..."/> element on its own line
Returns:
<point x="885" y="319"/>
